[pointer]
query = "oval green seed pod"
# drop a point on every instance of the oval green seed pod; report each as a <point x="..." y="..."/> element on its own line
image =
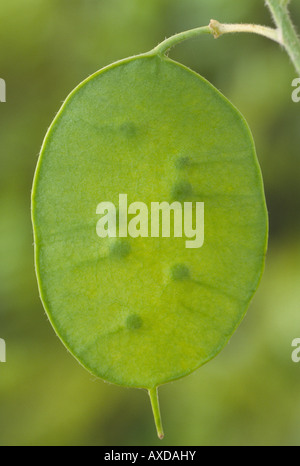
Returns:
<point x="150" y="222"/>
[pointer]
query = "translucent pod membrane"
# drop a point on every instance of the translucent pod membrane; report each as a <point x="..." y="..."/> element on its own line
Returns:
<point x="150" y="222"/>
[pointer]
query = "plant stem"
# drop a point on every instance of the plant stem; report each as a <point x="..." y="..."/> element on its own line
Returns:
<point x="219" y="29"/>
<point x="153" y="393"/>
<point x="288" y="33"/>
<point x="216" y="29"/>
<point x="284" y="34"/>
<point x="167" y="44"/>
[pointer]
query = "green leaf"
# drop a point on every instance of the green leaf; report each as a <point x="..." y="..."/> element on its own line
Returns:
<point x="143" y="311"/>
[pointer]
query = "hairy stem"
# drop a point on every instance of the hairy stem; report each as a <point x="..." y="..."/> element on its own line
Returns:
<point x="284" y="34"/>
<point x="288" y="34"/>
<point x="216" y="29"/>
<point x="156" y="412"/>
<point x="167" y="44"/>
<point x="219" y="29"/>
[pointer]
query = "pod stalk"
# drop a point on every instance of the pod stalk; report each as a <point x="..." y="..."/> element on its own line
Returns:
<point x="153" y="394"/>
<point x="284" y="33"/>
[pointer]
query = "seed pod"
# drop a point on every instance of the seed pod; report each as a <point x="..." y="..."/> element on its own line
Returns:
<point x="144" y="309"/>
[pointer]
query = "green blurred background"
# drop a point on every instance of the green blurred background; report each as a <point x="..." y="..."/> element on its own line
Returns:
<point x="249" y="394"/>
